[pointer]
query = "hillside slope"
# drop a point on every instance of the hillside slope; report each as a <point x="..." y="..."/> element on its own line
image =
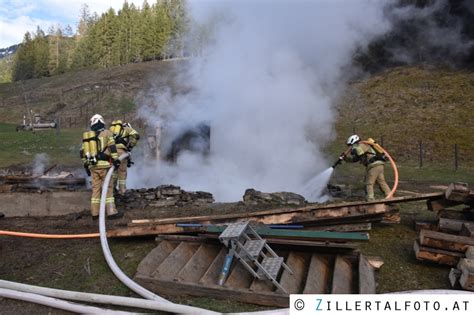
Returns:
<point x="399" y="107"/>
<point x="406" y="105"/>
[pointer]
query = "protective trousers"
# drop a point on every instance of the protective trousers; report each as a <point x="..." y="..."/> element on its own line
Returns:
<point x="120" y="175"/>
<point x="98" y="178"/>
<point x="374" y="175"/>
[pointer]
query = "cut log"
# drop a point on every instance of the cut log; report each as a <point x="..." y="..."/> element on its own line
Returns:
<point x="470" y="252"/>
<point x="342" y="276"/>
<point x="442" y="257"/>
<point x="451" y="225"/>
<point x="318" y="275"/>
<point x="454" y="276"/>
<point x="366" y="276"/>
<point x="467" y="229"/>
<point x="457" y="192"/>
<point x="445" y="241"/>
<point x="466" y="266"/>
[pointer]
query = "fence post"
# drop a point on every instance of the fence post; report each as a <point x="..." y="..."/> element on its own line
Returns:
<point x="421" y="153"/>
<point x="456" y="151"/>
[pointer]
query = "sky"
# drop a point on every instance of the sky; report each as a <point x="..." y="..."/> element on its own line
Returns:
<point x="19" y="16"/>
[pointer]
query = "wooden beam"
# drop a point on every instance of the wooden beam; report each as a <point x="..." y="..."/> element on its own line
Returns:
<point x="466" y="266"/>
<point x="445" y="241"/>
<point x="451" y="225"/>
<point x="185" y="288"/>
<point x="366" y="276"/>
<point x="470" y="252"/>
<point x="467" y="229"/>
<point x="426" y="225"/>
<point x="437" y="205"/>
<point x="298" y="263"/>
<point x="342" y="276"/>
<point x="457" y="192"/>
<point x="439" y="256"/>
<point x="175" y="261"/>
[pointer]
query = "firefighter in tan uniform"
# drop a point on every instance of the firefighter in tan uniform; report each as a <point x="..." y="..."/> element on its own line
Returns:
<point x="99" y="154"/>
<point x="126" y="139"/>
<point x="374" y="163"/>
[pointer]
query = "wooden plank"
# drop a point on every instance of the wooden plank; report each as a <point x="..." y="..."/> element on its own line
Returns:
<point x="452" y="214"/>
<point x="300" y="234"/>
<point x="467" y="229"/>
<point x="298" y="263"/>
<point x="451" y="225"/>
<point x="439" y="256"/>
<point x="155" y="258"/>
<point x="457" y="192"/>
<point x="342" y="276"/>
<point x="445" y="241"/>
<point x="366" y="276"/>
<point x="353" y="227"/>
<point x="199" y="263"/>
<point x="318" y="275"/>
<point x="211" y="276"/>
<point x="437" y="205"/>
<point x="183" y="288"/>
<point x="239" y="277"/>
<point x="170" y="267"/>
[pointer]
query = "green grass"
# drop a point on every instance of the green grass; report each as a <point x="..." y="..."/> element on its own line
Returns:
<point x="21" y="147"/>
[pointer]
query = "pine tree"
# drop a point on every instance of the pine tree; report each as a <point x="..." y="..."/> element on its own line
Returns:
<point x="41" y="54"/>
<point x="23" y="67"/>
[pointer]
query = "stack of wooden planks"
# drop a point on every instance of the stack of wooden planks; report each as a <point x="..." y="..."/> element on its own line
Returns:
<point x="447" y="241"/>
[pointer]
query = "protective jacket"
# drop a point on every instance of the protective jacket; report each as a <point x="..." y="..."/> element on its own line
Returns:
<point x="364" y="154"/>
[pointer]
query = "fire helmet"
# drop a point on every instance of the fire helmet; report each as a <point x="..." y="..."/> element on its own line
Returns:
<point x="97" y="118"/>
<point x="353" y="139"/>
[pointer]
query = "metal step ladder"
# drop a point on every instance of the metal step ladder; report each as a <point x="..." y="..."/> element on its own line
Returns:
<point x="253" y="252"/>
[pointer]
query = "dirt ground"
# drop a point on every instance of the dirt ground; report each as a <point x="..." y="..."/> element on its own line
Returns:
<point x="79" y="264"/>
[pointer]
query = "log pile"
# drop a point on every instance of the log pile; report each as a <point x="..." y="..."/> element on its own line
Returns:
<point x="451" y="239"/>
<point x="162" y="196"/>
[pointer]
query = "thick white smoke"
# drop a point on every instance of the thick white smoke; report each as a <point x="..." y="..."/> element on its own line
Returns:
<point x="267" y="88"/>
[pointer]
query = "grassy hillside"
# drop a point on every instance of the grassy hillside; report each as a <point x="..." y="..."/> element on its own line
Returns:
<point x="407" y="105"/>
<point x="73" y="97"/>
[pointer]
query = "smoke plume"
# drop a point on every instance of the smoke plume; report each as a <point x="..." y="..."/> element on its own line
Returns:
<point x="266" y="86"/>
<point x="39" y="164"/>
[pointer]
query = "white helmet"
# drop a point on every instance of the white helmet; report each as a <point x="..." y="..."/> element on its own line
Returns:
<point x="127" y="125"/>
<point x="97" y="118"/>
<point x="353" y="139"/>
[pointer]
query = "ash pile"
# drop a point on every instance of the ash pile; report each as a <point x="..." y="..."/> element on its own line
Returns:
<point x="162" y="196"/>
